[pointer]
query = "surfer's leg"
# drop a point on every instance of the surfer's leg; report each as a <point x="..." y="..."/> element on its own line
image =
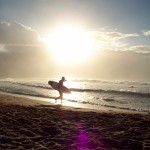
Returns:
<point x="61" y="96"/>
<point x="55" y="100"/>
<point x="58" y="96"/>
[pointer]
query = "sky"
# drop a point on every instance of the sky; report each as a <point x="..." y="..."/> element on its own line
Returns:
<point x="95" y="39"/>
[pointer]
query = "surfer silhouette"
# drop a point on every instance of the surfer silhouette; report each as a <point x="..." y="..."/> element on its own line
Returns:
<point x="60" y="85"/>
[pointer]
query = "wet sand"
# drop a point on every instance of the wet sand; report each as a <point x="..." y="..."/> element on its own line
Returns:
<point x="30" y="124"/>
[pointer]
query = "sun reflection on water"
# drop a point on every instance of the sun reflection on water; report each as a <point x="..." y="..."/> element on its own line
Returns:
<point x="72" y="99"/>
<point x="74" y="96"/>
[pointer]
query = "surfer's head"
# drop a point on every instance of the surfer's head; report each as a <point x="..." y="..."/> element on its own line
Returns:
<point x="63" y="78"/>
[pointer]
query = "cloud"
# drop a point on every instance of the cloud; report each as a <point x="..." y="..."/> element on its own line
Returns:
<point x="22" y="54"/>
<point x="113" y="34"/>
<point x="140" y="48"/>
<point x="146" y="33"/>
<point x="111" y="40"/>
<point x="15" y="33"/>
<point x="26" y="56"/>
<point x="119" y="35"/>
<point x="120" y="65"/>
<point x="2" y="47"/>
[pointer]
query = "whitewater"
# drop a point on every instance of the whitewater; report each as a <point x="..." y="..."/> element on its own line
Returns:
<point x="93" y="94"/>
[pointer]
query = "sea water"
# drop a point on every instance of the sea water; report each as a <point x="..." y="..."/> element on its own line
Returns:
<point x="96" y="94"/>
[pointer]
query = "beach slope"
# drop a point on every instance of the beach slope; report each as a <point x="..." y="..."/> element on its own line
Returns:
<point x="30" y="124"/>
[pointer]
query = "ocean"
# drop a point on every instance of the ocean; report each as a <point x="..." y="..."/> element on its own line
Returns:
<point x="93" y="94"/>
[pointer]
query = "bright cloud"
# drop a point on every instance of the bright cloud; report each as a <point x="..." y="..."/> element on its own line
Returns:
<point x="140" y="48"/>
<point x="111" y="40"/>
<point x="17" y="34"/>
<point x="146" y="33"/>
<point x="119" y="35"/>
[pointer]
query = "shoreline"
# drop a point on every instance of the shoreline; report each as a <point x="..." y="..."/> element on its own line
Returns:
<point x="30" y="124"/>
<point x="33" y="100"/>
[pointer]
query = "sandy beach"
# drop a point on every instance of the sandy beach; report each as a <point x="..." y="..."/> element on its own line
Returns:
<point x="30" y="124"/>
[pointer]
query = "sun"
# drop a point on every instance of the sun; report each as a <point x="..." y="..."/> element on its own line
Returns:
<point x="69" y="43"/>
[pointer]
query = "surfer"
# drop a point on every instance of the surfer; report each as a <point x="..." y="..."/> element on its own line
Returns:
<point x="60" y="85"/>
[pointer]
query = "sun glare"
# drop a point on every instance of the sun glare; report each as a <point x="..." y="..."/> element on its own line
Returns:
<point x="69" y="44"/>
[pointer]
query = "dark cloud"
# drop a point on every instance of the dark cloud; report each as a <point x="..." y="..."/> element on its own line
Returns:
<point x="15" y="33"/>
<point x="21" y="52"/>
<point x="120" y="65"/>
<point x="27" y="61"/>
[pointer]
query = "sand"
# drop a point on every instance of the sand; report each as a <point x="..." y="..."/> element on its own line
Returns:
<point x="29" y="124"/>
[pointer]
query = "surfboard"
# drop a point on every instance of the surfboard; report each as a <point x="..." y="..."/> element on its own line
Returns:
<point x="54" y="85"/>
